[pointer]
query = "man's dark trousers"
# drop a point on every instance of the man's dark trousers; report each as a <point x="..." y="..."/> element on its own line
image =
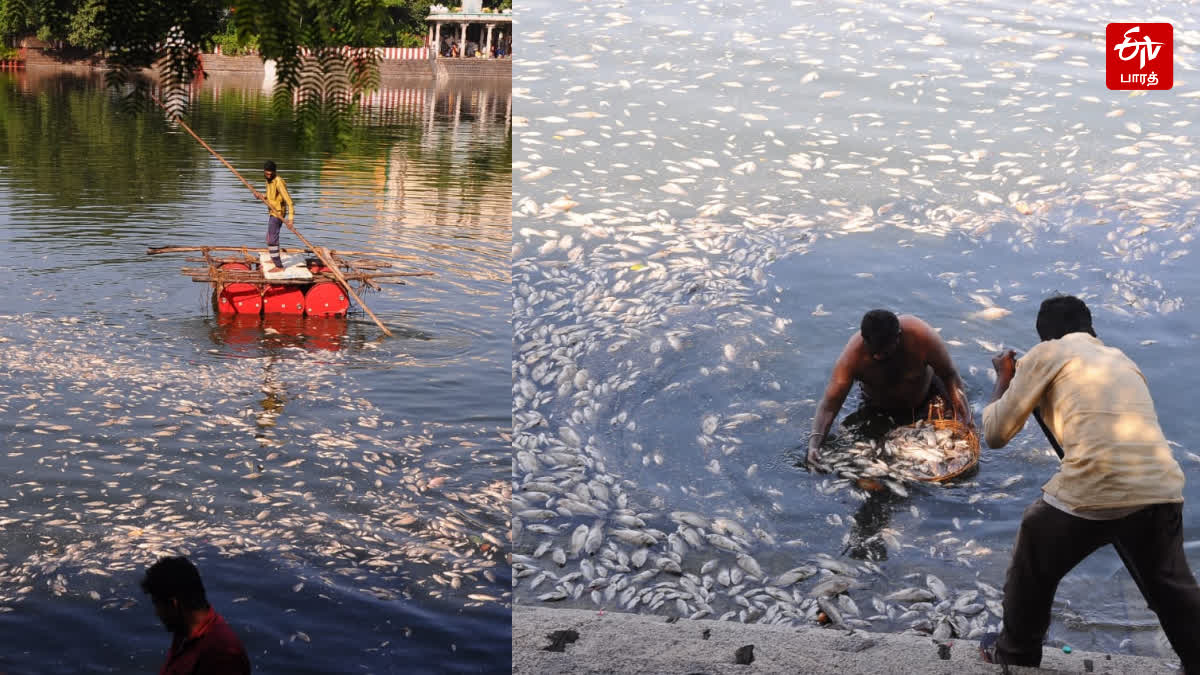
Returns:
<point x="1050" y="543"/>
<point x="273" y="225"/>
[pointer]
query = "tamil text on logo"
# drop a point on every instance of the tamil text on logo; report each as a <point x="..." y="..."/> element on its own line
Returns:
<point x="1139" y="56"/>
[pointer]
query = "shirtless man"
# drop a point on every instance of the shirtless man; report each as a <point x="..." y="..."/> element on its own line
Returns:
<point x="901" y="364"/>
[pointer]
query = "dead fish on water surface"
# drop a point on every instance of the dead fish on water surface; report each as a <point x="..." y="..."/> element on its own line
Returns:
<point x="795" y="575"/>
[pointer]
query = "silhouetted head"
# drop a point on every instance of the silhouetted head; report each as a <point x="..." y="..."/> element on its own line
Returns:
<point x="1063" y="314"/>
<point x="175" y="587"/>
<point x="269" y="169"/>
<point x="881" y="333"/>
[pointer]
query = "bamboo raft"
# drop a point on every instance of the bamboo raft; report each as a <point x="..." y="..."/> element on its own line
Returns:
<point x="241" y="289"/>
<point x="239" y="286"/>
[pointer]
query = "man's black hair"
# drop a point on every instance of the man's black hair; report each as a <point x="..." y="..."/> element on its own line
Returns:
<point x="1063" y="314"/>
<point x="175" y="578"/>
<point x="269" y="166"/>
<point x="879" y="329"/>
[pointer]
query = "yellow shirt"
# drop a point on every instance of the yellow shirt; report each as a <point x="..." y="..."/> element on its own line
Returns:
<point x="277" y="196"/>
<point x="1095" y="401"/>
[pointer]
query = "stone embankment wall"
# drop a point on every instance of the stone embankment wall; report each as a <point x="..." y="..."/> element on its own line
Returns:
<point x="473" y="69"/>
<point x="60" y="59"/>
<point x="407" y="69"/>
<point x="388" y="69"/>
<point x="398" y="69"/>
<point x="232" y="64"/>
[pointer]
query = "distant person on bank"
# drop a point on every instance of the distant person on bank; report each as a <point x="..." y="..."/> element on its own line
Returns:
<point x="903" y="369"/>
<point x="1118" y="484"/>
<point x="277" y="198"/>
<point x="202" y="643"/>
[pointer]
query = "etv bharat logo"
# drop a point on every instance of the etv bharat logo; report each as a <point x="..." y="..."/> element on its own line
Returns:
<point x="1139" y="56"/>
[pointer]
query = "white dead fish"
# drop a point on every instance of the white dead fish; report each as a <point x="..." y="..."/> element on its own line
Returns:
<point x="991" y="313"/>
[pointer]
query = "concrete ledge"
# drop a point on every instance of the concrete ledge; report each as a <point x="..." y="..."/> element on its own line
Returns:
<point x="634" y="643"/>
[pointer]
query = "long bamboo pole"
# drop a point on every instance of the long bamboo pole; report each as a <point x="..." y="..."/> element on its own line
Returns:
<point x="320" y="252"/>
<point x="342" y="280"/>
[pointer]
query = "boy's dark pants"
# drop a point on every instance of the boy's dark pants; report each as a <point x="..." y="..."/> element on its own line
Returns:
<point x="1050" y="543"/>
<point x="273" y="225"/>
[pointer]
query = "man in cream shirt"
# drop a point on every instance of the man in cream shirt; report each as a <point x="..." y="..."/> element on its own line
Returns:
<point x="1118" y="483"/>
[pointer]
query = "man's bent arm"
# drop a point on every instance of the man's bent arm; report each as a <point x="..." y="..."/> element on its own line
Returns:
<point x="958" y="398"/>
<point x="1014" y="400"/>
<point x="943" y="367"/>
<point x="836" y="391"/>
<point x="287" y="199"/>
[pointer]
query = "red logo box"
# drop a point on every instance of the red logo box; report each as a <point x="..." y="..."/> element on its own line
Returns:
<point x="1139" y="56"/>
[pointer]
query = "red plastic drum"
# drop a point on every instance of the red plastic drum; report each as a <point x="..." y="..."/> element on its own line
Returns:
<point x="238" y="298"/>
<point x="283" y="300"/>
<point x="327" y="299"/>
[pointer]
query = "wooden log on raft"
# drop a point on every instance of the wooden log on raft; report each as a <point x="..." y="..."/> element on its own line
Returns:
<point x="255" y="275"/>
<point x="366" y="278"/>
<point x="260" y="282"/>
<point x="365" y="264"/>
<point x="156" y="250"/>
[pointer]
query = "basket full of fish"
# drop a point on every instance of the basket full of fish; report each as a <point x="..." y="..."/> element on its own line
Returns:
<point x="932" y="451"/>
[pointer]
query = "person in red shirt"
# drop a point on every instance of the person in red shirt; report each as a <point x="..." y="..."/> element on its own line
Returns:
<point x="203" y="644"/>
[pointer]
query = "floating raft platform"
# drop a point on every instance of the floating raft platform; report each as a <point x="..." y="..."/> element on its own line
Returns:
<point x="240" y="286"/>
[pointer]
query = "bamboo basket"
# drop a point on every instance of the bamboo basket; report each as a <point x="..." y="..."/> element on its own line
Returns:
<point x="960" y="430"/>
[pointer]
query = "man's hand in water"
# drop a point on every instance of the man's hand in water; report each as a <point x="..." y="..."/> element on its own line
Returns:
<point x="813" y="460"/>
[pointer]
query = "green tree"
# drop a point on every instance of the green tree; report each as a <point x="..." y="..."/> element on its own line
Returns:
<point x="229" y="41"/>
<point x="406" y="20"/>
<point x="335" y="32"/>
<point x="320" y="47"/>
<point x="85" y="29"/>
<point x="15" y="18"/>
<point x="45" y="18"/>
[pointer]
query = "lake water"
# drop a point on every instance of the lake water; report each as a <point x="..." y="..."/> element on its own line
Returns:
<point x="710" y="195"/>
<point x="344" y="494"/>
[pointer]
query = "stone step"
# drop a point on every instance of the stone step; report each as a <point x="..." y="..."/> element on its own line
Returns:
<point x="607" y="642"/>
